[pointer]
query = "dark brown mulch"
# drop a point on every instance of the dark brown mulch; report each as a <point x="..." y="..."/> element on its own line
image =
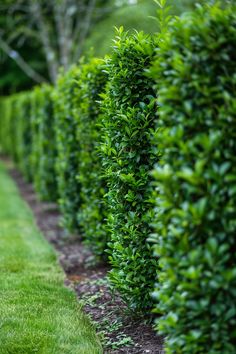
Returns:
<point x="121" y="332"/>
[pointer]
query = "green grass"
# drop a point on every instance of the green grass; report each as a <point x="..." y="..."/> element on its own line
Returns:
<point x="37" y="313"/>
<point x="131" y="17"/>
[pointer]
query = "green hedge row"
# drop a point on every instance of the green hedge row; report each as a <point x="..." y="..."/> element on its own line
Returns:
<point x="92" y="141"/>
<point x="65" y="108"/>
<point x="92" y="214"/>
<point x="44" y="152"/>
<point x="129" y="115"/>
<point x="7" y="125"/>
<point x="196" y="183"/>
<point x="24" y="137"/>
<point x="15" y="132"/>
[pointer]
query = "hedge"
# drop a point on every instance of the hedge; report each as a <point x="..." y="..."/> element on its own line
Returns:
<point x="23" y="135"/>
<point x="196" y="183"/>
<point x="129" y="113"/>
<point x="92" y="141"/>
<point x="34" y="117"/>
<point x="7" y="126"/>
<point x="12" y="126"/>
<point x="44" y="149"/>
<point x="92" y="213"/>
<point x="64" y="98"/>
<point x="4" y="126"/>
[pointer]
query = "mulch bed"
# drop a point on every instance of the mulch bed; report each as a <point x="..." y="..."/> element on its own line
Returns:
<point x="120" y="331"/>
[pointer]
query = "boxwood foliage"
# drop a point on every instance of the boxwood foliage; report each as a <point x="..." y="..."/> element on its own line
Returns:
<point x="44" y="143"/>
<point x="13" y="124"/>
<point x="92" y="212"/>
<point x="129" y="116"/>
<point x="196" y="184"/>
<point x="64" y="98"/>
<point x="9" y="127"/>
<point x="35" y="108"/>
<point x="23" y="134"/>
<point x="15" y="130"/>
<point x="5" y="126"/>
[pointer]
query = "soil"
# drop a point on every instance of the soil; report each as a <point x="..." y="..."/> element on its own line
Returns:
<point x="119" y="330"/>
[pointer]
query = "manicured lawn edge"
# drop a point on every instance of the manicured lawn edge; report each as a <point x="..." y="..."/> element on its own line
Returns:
<point x="37" y="314"/>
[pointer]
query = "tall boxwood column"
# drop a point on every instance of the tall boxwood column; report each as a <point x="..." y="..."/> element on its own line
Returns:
<point x="45" y="178"/>
<point x="129" y="116"/>
<point x="64" y="98"/>
<point x="25" y="138"/>
<point x="35" y="114"/>
<point x="92" y="213"/>
<point x="196" y="184"/>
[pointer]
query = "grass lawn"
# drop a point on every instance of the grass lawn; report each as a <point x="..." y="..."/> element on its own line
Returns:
<point x="37" y="313"/>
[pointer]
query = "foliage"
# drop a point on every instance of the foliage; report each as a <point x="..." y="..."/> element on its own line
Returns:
<point x="9" y="108"/>
<point x="130" y="17"/>
<point x="23" y="134"/>
<point x="195" y="188"/>
<point x="129" y="115"/>
<point x="108" y="147"/>
<point x="5" y="107"/>
<point x="12" y="77"/>
<point x="46" y="34"/>
<point x="44" y="143"/>
<point x="35" y="108"/>
<point x="15" y="132"/>
<point x="67" y="162"/>
<point x="46" y="42"/>
<point x="92" y="212"/>
<point x="138" y="17"/>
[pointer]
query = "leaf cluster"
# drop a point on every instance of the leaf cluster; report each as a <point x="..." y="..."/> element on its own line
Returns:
<point x="195" y="188"/>
<point x="65" y="110"/>
<point x="92" y="212"/>
<point x="44" y="152"/>
<point x="129" y="113"/>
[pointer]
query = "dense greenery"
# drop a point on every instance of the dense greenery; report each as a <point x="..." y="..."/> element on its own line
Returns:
<point x="65" y="110"/>
<point x="44" y="150"/>
<point x="23" y="135"/>
<point x="140" y="16"/>
<point x="5" y="126"/>
<point x="38" y="313"/>
<point x="39" y="37"/>
<point x="13" y="78"/>
<point x="108" y="123"/>
<point x="196" y="194"/>
<point x="128" y="117"/>
<point x="20" y="31"/>
<point x="92" y="212"/>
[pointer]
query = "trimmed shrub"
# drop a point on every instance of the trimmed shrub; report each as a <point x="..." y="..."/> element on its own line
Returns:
<point x="36" y="104"/>
<point x="65" y="110"/>
<point x="92" y="212"/>
<point x="13" y="122"/>
<point x="5" y="125"/>
<point x="129" y="117"/>
<point x="8" y="123"/>
<point x="44" y="143"/>
<point x="15" y="130"/>
<point x="196" y="184"/>
<point x="24" y="140"/>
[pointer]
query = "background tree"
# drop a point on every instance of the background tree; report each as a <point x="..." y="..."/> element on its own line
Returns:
<point x="39" y="35"/>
